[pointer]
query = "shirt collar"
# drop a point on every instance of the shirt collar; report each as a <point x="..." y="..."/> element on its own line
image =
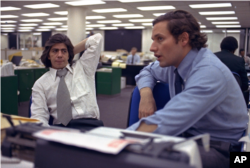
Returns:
<point x="186" y="63"/>
<point x="53" y="71"/>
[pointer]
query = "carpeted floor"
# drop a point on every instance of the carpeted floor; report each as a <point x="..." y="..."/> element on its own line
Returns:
<point x="113" y="108"/>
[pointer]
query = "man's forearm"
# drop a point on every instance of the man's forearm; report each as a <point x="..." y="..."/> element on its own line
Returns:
<point x="80" y="46"/>
<point x="143" y="127"/>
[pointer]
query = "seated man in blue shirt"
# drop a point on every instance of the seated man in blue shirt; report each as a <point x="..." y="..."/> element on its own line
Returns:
<point x="133" y="58"/>
<point x="205" y="97"/>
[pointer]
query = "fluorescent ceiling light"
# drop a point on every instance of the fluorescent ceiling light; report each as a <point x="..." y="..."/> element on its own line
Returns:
<point x="108" y="28"/>
<point x="109" y="21"/>
<point x="24" y="30"/>
<point x="135" y="27"/>
<point x="215" y="5"/>
<point x="25" y="27"/>
<point x="231" y="31"/>
<point x="123" y="24"/>
<point x="64" y="26"/>
<point x="61" y="12"/>
<point x="147" y="24"/>
<point x="149" y="8"/>
<point x="31" y="24"/>
<point x="222" y="18"/>
<point x="141" y="20"/>
<point x="86" y="2"/>
<point x="217" y="13"/>
<point x="225" y="22"/>
<point x="230" y="26"/>
<point x="87" y="22"/>
<point x="127" y="1"/>
<point x="58" y="19"/>
<point x="207" y="31"/>
<point x="52" y="23"/>
<point x="87" y="32"/>
<point x="8" y="25"/>
<point x="110" y="10"/>
<point x="40" y="6"/>
<point x="8" y="21"/>
<point x="96" y="25"/>
<point x="7" y="28"/>
<point x="5" y="34"/>
<point x="158" y="14"/>
<point x="89" y="28"/>
<point x="95" y="17"/>
<point x="32" y="20"/>
<point x="202" y="26"/>
<point x="61" y="29"/>
<point x="37" y="34"/>
<point x="35" y="14"/>
<point x="42" y="29"/>
<point x="8" y="16"/>
<point x="199" y="22"/>
<point x="128" y="16"/>
<point x="9" y="8"/>
<point x="47" y="27"/>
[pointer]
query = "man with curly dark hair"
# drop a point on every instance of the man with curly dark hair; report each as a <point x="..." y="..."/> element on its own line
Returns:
<point x="205" y="97"/>
<point x="67" y="91"/>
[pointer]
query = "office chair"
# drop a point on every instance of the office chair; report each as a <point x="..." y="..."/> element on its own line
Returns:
<point x="50" y="118"/>
<point x="161" y="96"/>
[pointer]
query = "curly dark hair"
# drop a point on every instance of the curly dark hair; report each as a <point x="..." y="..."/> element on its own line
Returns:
<point x="180" y="21"/>
<point x="55" y="39"/>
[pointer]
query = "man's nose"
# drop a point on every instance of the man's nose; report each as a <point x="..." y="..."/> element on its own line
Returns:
<point x="153" y="47"/>
<point x="59" y="53"/>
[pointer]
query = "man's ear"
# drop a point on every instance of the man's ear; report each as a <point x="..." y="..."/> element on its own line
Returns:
<point x="184" y="38"/>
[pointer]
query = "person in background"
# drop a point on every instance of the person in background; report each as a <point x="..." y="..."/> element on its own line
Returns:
<point x="133" y="58"/>
<point x="67" y="91"/>
<point x="205" y="97"/>
<point x="242" y="53"/>
<point x="228" y="46"/>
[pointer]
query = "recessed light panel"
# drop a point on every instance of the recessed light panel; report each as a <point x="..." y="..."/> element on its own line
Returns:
<point x="52" y="23"/>
<point x="95" y="17"/>
<point x="231" y="31"/>
<point x="149" y="8"/>
<point x="225" y="23"/>
<point x="221" y="18"/>
<point x="8" y="16"/>
<point x="227" y="26"/>
<point x="158" y="14"/>
<point x="58" y="19"/>
<point x="109" y="21"/>
<point x="28" y="24"/>
<point x="206" y="31"/>
<point x="61" y="29"/>
<point x="61" y="12"/>
<point x="141" y="20"/>
<point x="47" y="27"/>
<point x="7" y="28"/>
<point x="37" y="34"/>
<point x="86" y="2"/>
<point x="7" y="25"/>
<point x="8" y="21"/>
<point x="42" y="29"/>
<point x="24" y="30"/>
<point x="35" y="14"/>
<point x="217" y="13"/>
<point x="135" y="27"/>
<point x="128" y="1"/>
<point x="89" y="28"/>
<point x="213" y="5"/>
<point x="147" y="24"/>
<point x="41" y="6"/>
<point x="128" y="16"/>
<point x="25" y="27"/>
<point x="108" y="28"/>
<point x="31" y="20"/>
<point x="95" y="25"/>
<point x="110" y="10"/>
<point x="123" y="24"/>
<point x="9" y="8"/>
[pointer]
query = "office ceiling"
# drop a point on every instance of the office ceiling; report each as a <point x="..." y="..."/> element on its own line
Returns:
<point x="241" y="8"/>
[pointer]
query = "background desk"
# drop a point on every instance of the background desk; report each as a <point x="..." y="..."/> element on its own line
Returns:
<point x="130" y="72"/>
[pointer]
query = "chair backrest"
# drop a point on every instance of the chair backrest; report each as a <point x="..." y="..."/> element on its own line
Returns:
<point x="161" y="96"/>
<point x="238" y="79"/>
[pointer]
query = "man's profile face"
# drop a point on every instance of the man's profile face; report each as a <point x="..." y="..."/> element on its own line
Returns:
<point x="59" y="56"/>
<point x="242" y="53"/>
<point x="164" y="46"/>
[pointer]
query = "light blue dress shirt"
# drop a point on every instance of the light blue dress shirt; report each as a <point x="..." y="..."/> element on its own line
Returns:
<point x="211" y="100"/>
<point x="136" y="59"/>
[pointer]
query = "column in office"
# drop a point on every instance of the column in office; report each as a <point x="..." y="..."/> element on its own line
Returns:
<point x="76" y="25"/>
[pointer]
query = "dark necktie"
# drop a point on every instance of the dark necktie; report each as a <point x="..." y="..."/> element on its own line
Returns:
<point x="132" y="59"/>
<point x="64" y="111"/>
<point x="178" y="82"/>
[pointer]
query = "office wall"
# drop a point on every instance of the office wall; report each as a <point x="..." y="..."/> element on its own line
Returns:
<point x="4" y="41"/>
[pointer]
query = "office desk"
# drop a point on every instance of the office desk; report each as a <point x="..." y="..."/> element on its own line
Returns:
<point x="130" y="72"/>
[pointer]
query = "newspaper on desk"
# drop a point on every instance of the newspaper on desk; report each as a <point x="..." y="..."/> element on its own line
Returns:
<point x="101" y="143"/>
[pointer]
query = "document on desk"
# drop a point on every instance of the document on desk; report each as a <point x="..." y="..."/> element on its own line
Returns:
<point x="105" y="144"/>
